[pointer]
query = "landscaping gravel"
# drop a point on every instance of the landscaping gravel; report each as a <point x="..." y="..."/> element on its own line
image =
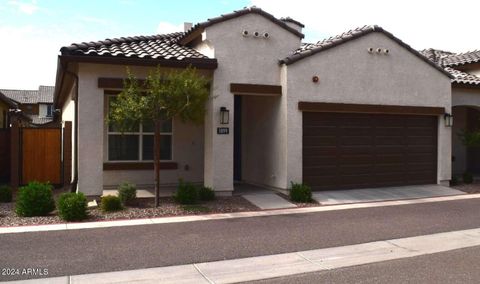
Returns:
<point x="468" y="188"/>
<point x="141" y="208"/>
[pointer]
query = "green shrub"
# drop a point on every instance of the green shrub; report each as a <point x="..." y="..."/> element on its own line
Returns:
<point x="467" y="177"/>
<point x="110" y="203"/>
<point x="35" y="199"/>
<point x="186" y="193"/>
<point x="300" y="192"/>
<point x="206" y="193"/>
<point x="454" y="181"/>
<point x="5" y="193"/>
<point x="72" y="206"/>
<point x="127" y="192"/>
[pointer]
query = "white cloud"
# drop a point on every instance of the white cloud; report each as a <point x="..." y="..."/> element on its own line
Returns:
<point x="28" y="8"/>
<point x="422" y="24"/>
<point x="166" y="27"/>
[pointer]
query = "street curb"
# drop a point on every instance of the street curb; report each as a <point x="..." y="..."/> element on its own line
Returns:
<point x="284" y="264"/>
<point x="223" y="216"/>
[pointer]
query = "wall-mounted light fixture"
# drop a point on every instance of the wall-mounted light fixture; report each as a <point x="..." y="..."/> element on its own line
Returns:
<point x="448" y="119"/>
<point x="224" y="115"/>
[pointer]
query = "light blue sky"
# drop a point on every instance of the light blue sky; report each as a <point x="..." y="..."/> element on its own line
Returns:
<point x="32" y="31"/>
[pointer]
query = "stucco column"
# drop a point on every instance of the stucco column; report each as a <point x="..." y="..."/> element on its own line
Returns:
<point x="218" y="171"/>
<point x="90" y="135"/>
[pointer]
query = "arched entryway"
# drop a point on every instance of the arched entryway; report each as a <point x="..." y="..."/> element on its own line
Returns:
<point x="465" y="159"/>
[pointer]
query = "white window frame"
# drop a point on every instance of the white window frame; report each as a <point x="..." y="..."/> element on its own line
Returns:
<point x="140" y="143"/>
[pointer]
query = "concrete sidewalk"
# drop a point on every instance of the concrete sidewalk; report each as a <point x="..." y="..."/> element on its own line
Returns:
<point x="272" y="266"/>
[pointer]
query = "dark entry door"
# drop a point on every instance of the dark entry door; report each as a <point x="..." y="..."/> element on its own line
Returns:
<point x="237" y="139"/>
<point x="351" y="150"/>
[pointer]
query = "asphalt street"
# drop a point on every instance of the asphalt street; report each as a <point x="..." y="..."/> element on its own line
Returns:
<point x="457" y="266"/>
<point x="133" y="247"/>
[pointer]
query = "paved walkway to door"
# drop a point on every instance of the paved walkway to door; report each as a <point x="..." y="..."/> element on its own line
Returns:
<point x="261" y="197"/>
<point x="382" y="194"/>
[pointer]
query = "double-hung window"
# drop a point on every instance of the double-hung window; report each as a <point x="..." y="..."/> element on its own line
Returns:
<point x="136" y="144"/>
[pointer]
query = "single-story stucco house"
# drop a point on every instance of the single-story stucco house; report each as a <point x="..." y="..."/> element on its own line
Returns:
<point x="362" y="109"/>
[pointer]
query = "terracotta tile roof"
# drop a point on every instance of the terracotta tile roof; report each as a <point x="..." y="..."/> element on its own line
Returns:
<point x="463" y="77"/>
<point x="462" y="58"/>
<point x="436" y="55"/>
<point x="162" y="46"/>
<point x="308" y="49"/>
<point x="290" y="20"/>
<point x="43" y="95"/>
<point x="235" y="14"/>
<point x="444" y="59"/>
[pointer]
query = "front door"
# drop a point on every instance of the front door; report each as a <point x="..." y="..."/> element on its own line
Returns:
<point x="237" y="139"/>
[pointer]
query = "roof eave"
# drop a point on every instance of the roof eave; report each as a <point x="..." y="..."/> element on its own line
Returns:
<point x="200" y="63"/>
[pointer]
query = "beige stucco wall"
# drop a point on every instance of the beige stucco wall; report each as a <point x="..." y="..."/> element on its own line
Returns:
<point x="241" y="60"/>
<point x="187" y="145"/>
<point x="349" y="74"/>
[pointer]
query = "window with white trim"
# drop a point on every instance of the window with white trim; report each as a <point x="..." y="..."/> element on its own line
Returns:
<point x="136" y="144"/>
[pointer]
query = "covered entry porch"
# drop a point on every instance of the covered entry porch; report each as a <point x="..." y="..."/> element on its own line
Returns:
<point x="466" y="114"/>
<point x="259" y="137"/>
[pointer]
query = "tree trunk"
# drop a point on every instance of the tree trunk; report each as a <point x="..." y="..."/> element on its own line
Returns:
<point x="156" y="158"/>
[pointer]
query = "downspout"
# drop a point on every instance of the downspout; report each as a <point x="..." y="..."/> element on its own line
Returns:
<point x="75" y="123"/>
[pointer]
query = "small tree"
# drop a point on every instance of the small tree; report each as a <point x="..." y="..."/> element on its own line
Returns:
<point x="163" y="96"/>
<point x="470" y="138"/>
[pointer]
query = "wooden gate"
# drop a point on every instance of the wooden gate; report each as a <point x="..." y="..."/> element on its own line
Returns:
<point x="41" y="155"/>
<point x="4" y="155"/>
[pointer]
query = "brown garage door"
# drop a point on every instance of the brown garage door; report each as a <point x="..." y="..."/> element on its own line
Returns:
<point x="350" y="150"/>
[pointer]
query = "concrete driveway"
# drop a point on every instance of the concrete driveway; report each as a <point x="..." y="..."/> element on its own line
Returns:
<point x="382" y="194"/>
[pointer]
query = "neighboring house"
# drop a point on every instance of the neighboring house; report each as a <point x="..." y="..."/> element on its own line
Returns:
<point x="362" y="109"/>
<point x="5" y="106"/>
<point x="465" y="67"/>
<point x="36" y="105"/>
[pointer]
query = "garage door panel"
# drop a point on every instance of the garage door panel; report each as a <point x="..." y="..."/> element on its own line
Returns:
<point x="353" y="170"/>
<point x="388" y="149"/>
<point x="388" y="131"/>
<point x="420" y="140"/>
<point x="355" y="131"/>
<point x="356" y="150"/>
<point x="355" y="140"/>
<point x="319" y="141"/>
<point x="419" y="121"/>
<point x="320" y="131"/>
<point x="389" y="141"/>
<point x="342" y="151"/>
<point x="318" y="161"/>
<point x="321" y="171"/>
<point x="321" y="150"/>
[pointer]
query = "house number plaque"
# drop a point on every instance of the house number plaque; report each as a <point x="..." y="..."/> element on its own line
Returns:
<point x="223" y="130"/>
